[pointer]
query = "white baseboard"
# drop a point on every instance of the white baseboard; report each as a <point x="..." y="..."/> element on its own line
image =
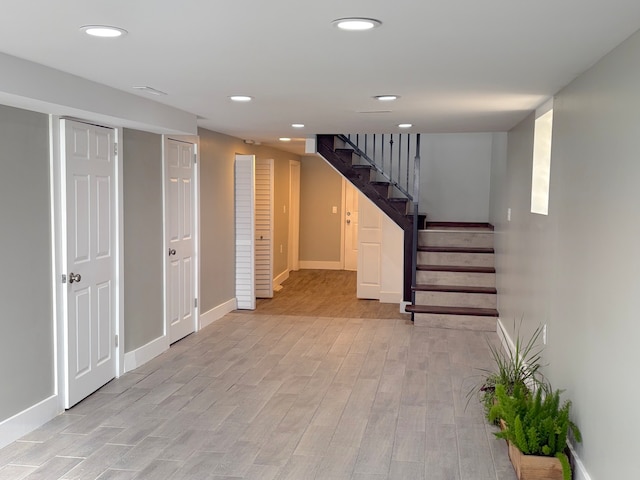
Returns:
<point x="28" y="420"/>
<point x="319" y="265"/>
<point x="142" y="355"/>
<point x="580" y="472"/>
<point x="390" y="297"/>
<point x="280" y="278"/>
<point x="218" y="312"/>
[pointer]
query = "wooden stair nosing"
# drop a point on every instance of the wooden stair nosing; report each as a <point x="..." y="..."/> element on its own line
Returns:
<point x="455" y="268"/>
<point x="435" y="249"/>
<point x="440" y="310"/>
<point x="483" y="225"/>
<point x="454" y="289"/>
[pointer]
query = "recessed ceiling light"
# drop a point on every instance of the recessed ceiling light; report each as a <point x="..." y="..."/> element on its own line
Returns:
<point x="386" y="98"/>
<point x="104" y="31"/>
<point x="241" y="98"/>
<point x="285" y="139"/>
<point x="405" y="125"/>
<point x="356" y="23"/>
<point x="150" y="90"/>
<point x="297" y="125"/>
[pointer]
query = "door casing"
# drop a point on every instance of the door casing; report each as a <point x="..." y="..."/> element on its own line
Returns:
<point x="59" y="242"/>
<point x="193" y="139"/>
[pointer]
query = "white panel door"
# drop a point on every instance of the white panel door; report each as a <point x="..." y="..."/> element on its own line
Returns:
<point x="244" y="223"/>
<point x="350" y="226"/>
<point x="369" y="249"/>
<point x="264" y="228"/>
<point x="179" y="226"/>
<point x="90" y="296"/>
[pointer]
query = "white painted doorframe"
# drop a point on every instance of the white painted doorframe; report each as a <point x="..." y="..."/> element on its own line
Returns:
<point x="194" y="140"/>
<point x="293" y="260"/>
<point x="58" y="188"/>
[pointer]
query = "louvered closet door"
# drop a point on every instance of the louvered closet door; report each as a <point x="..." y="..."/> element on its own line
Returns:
<point x="244" y="222"/>
<point x="264" y="228"/>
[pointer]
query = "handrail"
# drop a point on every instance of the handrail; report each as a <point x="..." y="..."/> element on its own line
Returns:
<point x="391" y="164"/>
<point x="386" y="155"/>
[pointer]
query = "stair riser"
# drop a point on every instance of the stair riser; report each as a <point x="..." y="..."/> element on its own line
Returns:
<point x="456" y="299"/>
<point x="463" y="279"/>
<point x="455" y="239"/>
<point x="457" y="322"/>
<point x="459" y="259"/>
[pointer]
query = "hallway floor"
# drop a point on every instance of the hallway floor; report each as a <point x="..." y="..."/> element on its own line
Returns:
<point x="272" y="396"/>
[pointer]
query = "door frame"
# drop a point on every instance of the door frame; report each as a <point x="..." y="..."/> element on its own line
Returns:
<point x="293" y="257"/>
<point x="195" y="141"/>
<point x="57" y="166"/>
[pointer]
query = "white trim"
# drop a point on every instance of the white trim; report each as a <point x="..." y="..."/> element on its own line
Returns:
<point x="216" y="313"/>
<point x="403" y="306"/>
<point x="390" y="297"/>
<point x="195" y="141"/>
<point x="119" y="260"/>
<point x="280" y="278"/>
<point x="320" y="265"/>
<point x="142" y="355"/>
<point x="28" y="420"/>
<point x="580" y="472"/>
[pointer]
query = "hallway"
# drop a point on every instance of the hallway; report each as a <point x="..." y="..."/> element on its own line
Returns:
<point x="262" y="396"/>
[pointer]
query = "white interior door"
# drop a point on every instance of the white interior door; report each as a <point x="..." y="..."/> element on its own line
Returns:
<point x="244" y="222"/>
<point x="350" y="226"/>
<point x="264" y="228"/>
<point x="88" y="153"/>
<point x="180" y="238"/>
<point x="294" y="216"/>
<point x="369" y="249"/>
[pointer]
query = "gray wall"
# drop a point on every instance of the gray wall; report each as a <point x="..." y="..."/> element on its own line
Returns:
<point x="577" y="269"/>
<point x="455" y="176"/>
<point x="217" y="240"/>
<point x="26" y="321"/>
<point x="320" y="190"/>
<point x="143" y="235"/>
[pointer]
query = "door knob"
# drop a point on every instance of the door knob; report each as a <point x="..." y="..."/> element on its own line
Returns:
<point x="74" y="277"/>
<point x="172" y="251"/>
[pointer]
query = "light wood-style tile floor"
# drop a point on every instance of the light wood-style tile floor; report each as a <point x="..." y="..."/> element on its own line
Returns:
<point x="272" y="396"/>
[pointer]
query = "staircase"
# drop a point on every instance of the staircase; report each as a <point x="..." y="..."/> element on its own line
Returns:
<point x="455" y="280"/>
<point x="390" y="196"/>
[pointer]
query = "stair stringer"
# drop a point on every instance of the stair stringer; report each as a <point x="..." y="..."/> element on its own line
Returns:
<point x="361" y="179"/>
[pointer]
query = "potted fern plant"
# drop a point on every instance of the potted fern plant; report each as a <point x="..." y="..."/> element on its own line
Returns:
<point x="536" y="426"/>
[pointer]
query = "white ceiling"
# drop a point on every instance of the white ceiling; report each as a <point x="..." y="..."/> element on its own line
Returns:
<point x="458" y="65"/>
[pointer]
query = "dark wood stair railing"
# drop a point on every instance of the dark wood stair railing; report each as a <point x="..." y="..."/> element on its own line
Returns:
<point x="381" y="180"/>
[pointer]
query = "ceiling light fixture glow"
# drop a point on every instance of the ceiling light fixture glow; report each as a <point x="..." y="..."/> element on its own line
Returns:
<point x="386" y="98"/>
<point x="357" y="24"/>
<point x="103" y="31"/>
<point x="285" y="139"/>
<point x="405" y="125"/>
<point x="241" y="98"/>
<point x="297" y="125"/>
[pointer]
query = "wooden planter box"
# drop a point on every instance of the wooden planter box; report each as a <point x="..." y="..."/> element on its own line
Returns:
<point x="534" y="467"/>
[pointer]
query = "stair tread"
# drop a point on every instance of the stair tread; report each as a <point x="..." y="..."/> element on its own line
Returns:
<point x="440" y="310"/>
<point x="379" y="182"/>
<point x="461" y="225"/>
<point x="398" y="199"/>
<point x="454" y="288"/>
<point x="428" y="248"/>
<point x="455" y="268"/>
